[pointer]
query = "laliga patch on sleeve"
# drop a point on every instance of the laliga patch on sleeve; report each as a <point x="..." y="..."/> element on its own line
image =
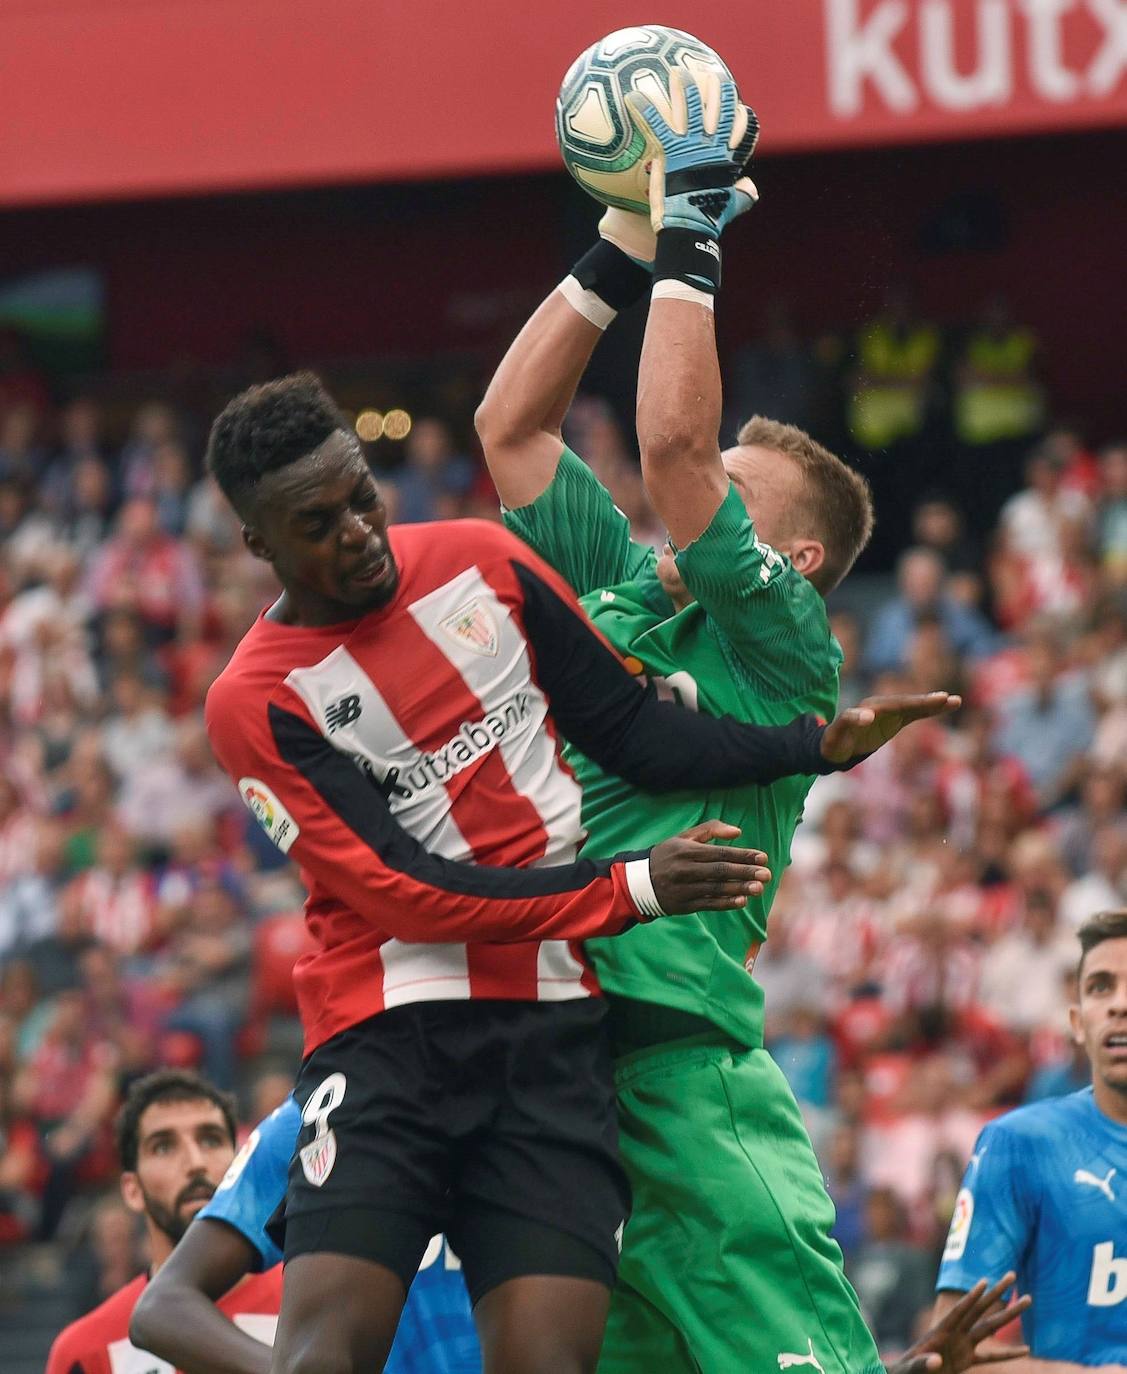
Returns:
<point x="240" y="1162"/>
<point x="269" y="812"/>
<point x="960" y="1226"/>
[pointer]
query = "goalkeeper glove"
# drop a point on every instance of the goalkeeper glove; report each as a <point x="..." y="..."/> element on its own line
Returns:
<point x="696" y="179"/>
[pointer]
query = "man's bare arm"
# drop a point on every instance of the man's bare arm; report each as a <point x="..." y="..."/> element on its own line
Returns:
<point x="520" y="417"/>
<point x="992" y="1352"/>
<point x="678" y="417"/>
<point x="176" y="1317"/>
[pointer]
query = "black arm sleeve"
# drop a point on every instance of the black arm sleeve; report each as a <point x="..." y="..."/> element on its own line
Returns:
<point x="655" y="745"/>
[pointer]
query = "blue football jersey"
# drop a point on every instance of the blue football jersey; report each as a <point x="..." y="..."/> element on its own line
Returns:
<point x="436" y="1332"/>
<point x="1045" y="1194"/>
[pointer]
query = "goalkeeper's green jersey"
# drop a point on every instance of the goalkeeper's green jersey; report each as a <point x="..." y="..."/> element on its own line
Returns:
<point x="755" y="645"/>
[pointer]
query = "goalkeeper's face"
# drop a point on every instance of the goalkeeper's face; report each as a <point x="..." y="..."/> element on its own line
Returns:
<point x="321" y="523"/>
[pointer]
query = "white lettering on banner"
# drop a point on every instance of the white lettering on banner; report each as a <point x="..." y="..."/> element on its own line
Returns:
<point x="1108" y="1285"/>
<point x="858" y="52"/>
<point x="1048" y="75"/>
<point x="992" y="82"/>
<point x="861" y="52"/>
<point x="1111" y="61"/>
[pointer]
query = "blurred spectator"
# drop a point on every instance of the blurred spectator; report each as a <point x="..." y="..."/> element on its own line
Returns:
<point x="1022" y="974"/>
<point x="938" y="525"/>
<point x="153" y="426"/>
<point x="21" y="457"/>
<point x="29" y="900"/>
<point x="171" y="486"/>
<point x="893" y="1277"/>
<point x="1035" y="521"/>
<point x="846" y="1188"/>
<point x="68" y="1088"/>
<point x="80" y="443"/>
<point x="206" y="965"/>
<point x="846" y="629"/>
<point x="1104" y="886"/>
<point x="435" y="478"/>
<point x="116" y="898"/>
<point x="922" y="592"/>
<point x="145" y="570"/>
<point x="1111" y="513"/>
<point x="138" y="730"/>
<point x="176" y="788"/>
<point x="1048" y="724"/>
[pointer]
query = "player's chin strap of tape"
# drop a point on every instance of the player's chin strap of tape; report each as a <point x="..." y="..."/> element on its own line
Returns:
<point x="603" y="282"/>
<point x="641" y="886"/>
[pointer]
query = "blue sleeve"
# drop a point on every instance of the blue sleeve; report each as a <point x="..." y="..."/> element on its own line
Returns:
<point x="995" y="1212"/>
<point x="254" y="1186"/>
<point x="436" y="1332"/>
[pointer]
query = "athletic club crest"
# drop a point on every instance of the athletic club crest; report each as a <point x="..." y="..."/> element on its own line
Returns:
<point x="318" y="1157"/>
<point x="473" y="626"/>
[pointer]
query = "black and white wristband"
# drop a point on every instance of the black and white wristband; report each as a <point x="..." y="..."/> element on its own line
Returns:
<point x="604" y="281"/>
<point x="687" y="267"/>
<point x="639" y="881"/>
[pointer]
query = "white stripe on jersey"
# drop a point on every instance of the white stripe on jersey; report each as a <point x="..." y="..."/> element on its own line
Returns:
<point x="492" y="659"/>
<point x="376" y="737"/>
<point x="558" y="973"/>
<point x="423" y="973"/>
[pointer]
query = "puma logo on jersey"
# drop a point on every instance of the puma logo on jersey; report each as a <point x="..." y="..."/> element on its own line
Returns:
<point x="789" y="1361"/>
<point x="1103" y="1184"/>
<point x="342" y="712"/>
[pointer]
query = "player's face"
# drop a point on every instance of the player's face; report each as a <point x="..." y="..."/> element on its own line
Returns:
<point x="183" y="1151"/>
<point x="1099" y="1020"/>
<point x="321" y="523"/>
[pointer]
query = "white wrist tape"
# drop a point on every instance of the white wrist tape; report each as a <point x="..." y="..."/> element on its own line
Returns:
<point x="590" y="306"/>
<point x="670" y="290"/>
<point x="641" y="887"/>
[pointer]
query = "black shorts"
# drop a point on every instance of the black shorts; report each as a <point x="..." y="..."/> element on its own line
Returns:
<point x="491" y="1121"/>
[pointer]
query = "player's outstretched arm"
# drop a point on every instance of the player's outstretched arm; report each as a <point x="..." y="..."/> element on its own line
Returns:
<point x="521" y="416"/>
<point x="961" y="1334"/>
<point x="696" y="189"/>
<point x="176" y="1317"/>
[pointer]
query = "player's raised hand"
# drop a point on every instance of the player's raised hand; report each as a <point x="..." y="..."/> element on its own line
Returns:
<point x="699" y="154"/>
<point x="863" y="729"/>
<point x="956" y="1341"/>
<point x="689" y="873"/>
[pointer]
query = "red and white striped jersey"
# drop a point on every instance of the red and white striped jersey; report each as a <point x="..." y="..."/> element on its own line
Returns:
<point x="410" y="762"/>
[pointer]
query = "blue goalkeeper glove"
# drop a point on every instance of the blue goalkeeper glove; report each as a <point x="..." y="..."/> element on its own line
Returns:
<point x="699" y="154"/>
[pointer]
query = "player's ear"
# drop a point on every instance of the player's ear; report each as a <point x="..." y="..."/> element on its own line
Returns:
<point x="254" y="541"/>
<point x="807" y="555"/>
<point x="1075" y="1025"/>
<point x="131" y="1193"/>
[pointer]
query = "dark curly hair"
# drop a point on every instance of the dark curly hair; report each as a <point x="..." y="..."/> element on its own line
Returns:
<point x="268" y="427"/>
<point x="165" y="1085"/>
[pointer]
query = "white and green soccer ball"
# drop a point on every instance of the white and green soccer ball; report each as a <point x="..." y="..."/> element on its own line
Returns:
<point x="602" y="147"/>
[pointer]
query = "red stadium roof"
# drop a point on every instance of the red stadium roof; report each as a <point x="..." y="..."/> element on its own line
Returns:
<point x="127" y="98"/>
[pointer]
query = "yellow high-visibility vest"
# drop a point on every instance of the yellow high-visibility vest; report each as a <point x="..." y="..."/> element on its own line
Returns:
<point x="1002" y="401"/>
<point x="890" y="403"/>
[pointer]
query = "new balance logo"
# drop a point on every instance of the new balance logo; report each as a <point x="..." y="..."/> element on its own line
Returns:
<point x="788" y="1361"/>
<point x="1103" y="1184"/>
<point x="342" y="712"/>
<point x="709" y="246"/>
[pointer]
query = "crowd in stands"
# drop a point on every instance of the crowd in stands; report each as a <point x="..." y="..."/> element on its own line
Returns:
<point x="921" y="951"/>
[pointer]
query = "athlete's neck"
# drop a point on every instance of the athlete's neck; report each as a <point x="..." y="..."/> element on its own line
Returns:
<point x="310" y="611"/>
<point x="160" y="1246"/>
<point x="1111" y="1100"/>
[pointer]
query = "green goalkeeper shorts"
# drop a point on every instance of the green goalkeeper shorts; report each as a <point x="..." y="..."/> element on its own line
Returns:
<point x="727" y="1261"/>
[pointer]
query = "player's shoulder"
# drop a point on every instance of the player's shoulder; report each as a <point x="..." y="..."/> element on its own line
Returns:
<point x="86" y="1338"/>
<point x="456" y="540"/>
<point x="1053" y="1118"/>
<point x="249" y="679"/>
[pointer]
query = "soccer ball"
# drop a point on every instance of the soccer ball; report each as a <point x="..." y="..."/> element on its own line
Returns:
<point x="602" y="147"/>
